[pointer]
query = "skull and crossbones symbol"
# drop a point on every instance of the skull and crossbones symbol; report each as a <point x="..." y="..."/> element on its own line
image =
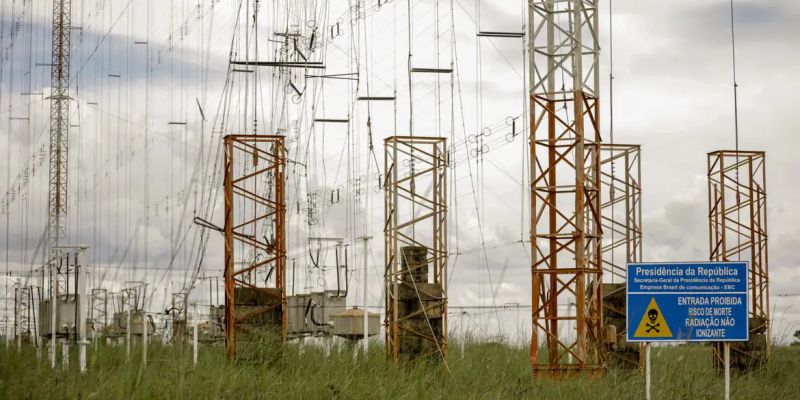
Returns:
<point x="652" y="315"/>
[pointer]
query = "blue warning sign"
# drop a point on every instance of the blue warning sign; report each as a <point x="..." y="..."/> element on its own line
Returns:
<point x="687" y="302"/>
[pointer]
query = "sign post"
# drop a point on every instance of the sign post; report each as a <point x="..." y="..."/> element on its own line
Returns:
<point x="727" y="347"/>
<point x="647" y="371"/>
<point x="687" y="302"/>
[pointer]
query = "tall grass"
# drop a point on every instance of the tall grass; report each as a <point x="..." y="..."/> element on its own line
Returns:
<point x="482" y="371"/>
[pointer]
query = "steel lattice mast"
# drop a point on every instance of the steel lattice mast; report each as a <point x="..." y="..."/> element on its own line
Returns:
<point x="737" y="231"/>
<point x="565" y="188"/>
<point x="415" y="235"/>
<point x="621" y="210"/>
<point x="59" y="129"/>
<point x="255" y="209"/>
<point x="59" y="122"/>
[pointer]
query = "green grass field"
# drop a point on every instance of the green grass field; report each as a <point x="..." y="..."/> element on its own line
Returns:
<point x="483" y="371"/>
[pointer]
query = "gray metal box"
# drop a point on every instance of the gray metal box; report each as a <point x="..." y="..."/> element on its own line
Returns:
<point x="67" y="305"/>
<point x="296" y="314"/>
<point x="313" y="313"/>
<point x="349" y="324"/>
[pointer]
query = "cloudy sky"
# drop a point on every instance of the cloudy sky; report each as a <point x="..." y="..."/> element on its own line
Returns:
<point x="140" y="65"/>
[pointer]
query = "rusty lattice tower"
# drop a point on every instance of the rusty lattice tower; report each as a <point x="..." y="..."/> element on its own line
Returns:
<point x="565" y="189"/>
<point x="255" y="245"/>
<point x="621" y="210"/>
<point x="415" y="234"/>
<point x="737" y="231"/>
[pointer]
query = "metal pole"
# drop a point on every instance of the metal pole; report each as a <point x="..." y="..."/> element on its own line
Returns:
<point x="395" y="261"/>
<point x="144" y="327"/>
<point x="38" y="344"/>
<point x="727" y="346"/>
<point x="16" y="318"/>
<point x="194" y="335"/>
<point x="144" y="338"/>
<point x="647" y="395"/>
<point x="53" y="312"/>
<point x="127" y="327"/>
<point x="82" y="297"/>
<point x="366" y="322"/>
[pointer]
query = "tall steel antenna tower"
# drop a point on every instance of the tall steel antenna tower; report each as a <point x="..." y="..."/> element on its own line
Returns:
<point x="565" y="188"/>
<point x="59" y="123"/>
<point x="59" y="129"/>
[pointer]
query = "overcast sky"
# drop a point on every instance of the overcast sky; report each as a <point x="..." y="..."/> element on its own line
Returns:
<point x="672" y="94"/>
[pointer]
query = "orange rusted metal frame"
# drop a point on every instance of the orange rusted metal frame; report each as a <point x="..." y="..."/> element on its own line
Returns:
<point x="737" y="221"/>
<point x="621" y="211"/>
<point x="425" y="159"/>
<point x="565" y="236"/>
<point x="254" y="206"/>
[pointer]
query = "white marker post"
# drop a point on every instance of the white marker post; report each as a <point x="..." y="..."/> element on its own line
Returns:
<point x="647" y="395"/>
<point x="144" y="327"/>
<point x="144" y="338"/>
<point x="83" y="277"/>
<point x="128" y="328"/>
<point x="366" y="313"/>
<point x="53" y="312"/>
<point x="18" y="333"/>
<point x="65" y="353"/>
<point x="727" y="356"/>
<point x="194" y="334"/>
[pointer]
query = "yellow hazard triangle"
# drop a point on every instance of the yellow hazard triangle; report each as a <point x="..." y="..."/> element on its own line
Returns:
<point x="653" y="324"/>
